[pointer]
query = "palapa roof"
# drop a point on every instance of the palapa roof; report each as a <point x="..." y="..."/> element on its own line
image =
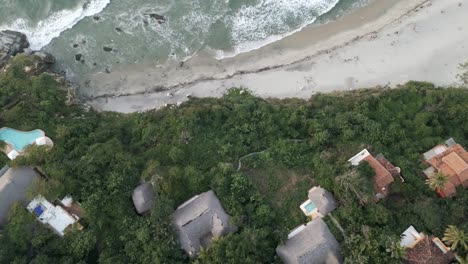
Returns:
<point x="322" y="199"/>
<point x="199" y="220"/>
<point x="310" y="243"/>
<point x="143" y="197"/>
<point x="13" y="186"/>
<point x="426" y="251"/>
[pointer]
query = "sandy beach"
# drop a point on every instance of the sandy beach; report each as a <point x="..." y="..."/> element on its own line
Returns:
<point x="386" y="43"/>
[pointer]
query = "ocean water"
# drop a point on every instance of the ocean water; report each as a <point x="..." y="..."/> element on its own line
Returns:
<point x="88" y="36"/>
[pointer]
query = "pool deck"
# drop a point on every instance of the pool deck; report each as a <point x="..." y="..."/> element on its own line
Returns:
<point x="10" y="149"/>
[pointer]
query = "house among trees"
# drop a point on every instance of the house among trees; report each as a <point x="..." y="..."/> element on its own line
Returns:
<point x="319" y="204"/>
<point x="14" y="183"/>
<point x="383" y="169"/>
<point x="448" y="166"/>
<point x="310" y="243"/>
<point x="143" y="197"/>
<point x="422" y="249"/>
<point x="199" y="221"/>
<point x="58" y="217"/>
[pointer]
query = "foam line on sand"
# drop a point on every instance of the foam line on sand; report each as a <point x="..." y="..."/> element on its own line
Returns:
<point x="387" y="42"/>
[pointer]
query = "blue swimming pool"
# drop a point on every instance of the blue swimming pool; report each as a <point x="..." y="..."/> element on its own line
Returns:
<point x="19" y="139"/>
<point x="309" y="207"/>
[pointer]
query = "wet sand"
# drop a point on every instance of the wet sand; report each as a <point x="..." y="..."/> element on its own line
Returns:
<point x="387" y="42"/>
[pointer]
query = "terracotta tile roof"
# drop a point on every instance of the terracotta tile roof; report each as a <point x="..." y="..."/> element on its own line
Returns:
<point x="383" y="178"/>
<point x="455" y="162"/>
<point x="452" y="162"/>
<point x="427" y="252"/>
<point x="449" y="190"/>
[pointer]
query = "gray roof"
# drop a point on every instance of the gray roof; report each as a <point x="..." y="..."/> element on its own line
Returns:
<point x="312" y="243"/>
<point x="322" y="199"/>
<point x="199" y="220"/>
<point x="429" y="171"/>
<point x="450" y="142"/>
<point x="13" y="187"/>
<point x="439" y="149"/>
<point x="143" y="197"/>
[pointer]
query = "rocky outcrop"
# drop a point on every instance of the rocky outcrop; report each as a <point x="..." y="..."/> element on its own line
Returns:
<point x="160" y="19"/>
<point x="11" y="43"/>
<point x="45" y="57"/>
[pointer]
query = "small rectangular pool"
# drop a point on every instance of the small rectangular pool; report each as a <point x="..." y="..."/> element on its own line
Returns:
<point x="310" y="207"/>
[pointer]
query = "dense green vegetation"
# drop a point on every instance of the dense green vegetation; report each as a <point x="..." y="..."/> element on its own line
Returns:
<point x="100" y="157"/>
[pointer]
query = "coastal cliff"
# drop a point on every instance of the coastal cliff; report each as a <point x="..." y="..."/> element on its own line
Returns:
<point x="11" y="43"/>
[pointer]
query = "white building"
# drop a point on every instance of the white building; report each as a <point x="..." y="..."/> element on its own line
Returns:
<point x="53" y="215"/>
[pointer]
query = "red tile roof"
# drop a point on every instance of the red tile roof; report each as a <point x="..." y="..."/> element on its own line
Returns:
<point x="453" y="163"/>
<point x="383" y="178"/>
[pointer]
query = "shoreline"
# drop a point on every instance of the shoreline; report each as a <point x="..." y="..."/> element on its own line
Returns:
<point x="352" y="52"/>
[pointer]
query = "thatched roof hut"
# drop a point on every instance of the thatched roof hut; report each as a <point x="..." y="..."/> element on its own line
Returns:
<point x="14" y="182"/>
<point x="310" y="243"/>
<point x="143" y="197"/>
<point x="322" y="199"/>
<point x="200" y="220"/>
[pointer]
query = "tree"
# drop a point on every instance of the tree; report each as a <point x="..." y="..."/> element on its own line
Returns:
<point x="437" y="182"/>
<point x="454" y="237"/>
<point x="462" y="260"/>
<point x="358" y="182"/>
<point x="395" y="249"/>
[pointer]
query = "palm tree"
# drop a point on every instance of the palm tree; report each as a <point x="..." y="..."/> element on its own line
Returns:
<point x="461" y="259"/>
<point x="437" y="182"/>
<point x="454" y="237"/>
<point x="395" y="249"/>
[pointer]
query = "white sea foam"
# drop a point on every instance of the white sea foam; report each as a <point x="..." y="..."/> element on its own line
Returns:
<point x="256" y="26"/>
<point x="51" y="27"/>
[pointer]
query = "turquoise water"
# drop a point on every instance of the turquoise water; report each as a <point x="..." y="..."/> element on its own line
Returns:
<point x="310" y="207"/>
<point x="78" y="32"/>
<point x="19" y="139"/>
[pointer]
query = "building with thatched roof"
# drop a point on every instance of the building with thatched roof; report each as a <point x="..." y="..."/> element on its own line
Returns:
<point x="200" y="220"/>
<point x="319" y="204"/>
<point x="423" y="249"/>
<point x="143" y="197"/>
<point x="310" y="243"/>
<point x="14" y="183"/>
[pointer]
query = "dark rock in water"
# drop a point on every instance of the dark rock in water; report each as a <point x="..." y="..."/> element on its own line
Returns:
<point x="107" y="48"/>
<point x="78" y="57"/>
<point x="75" y="46"/>
<point x="11" y="43"/>
<point x="145" y="22"/>
<point x="118" y="30"/>
<point x="160" y="19"/>
<point x="96" y="18"/>
<point x="45" y="57"/>
<point x="83" y="42"/>
<point x="108" y="69"/>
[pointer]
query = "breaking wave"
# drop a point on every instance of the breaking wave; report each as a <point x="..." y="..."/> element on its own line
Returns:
<point x="51" y="27"/>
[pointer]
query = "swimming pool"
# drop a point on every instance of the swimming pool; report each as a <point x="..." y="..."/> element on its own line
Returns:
<point x="19" y="140"/>
<point x="309" y="207"/>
